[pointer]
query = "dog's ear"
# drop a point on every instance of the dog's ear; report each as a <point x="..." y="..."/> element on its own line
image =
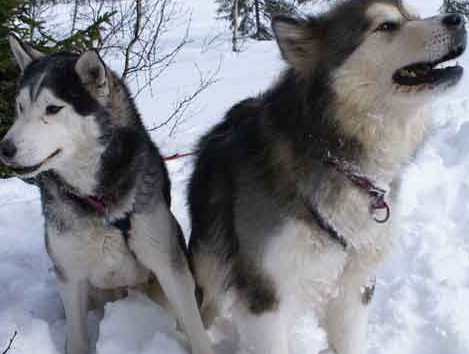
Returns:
<point x="298" y="40"/>
<point x="22" y="52"/>
<point x="91" y="69"/>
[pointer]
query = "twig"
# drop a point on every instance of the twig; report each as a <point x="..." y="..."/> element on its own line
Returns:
<point x="156" y="67"/>
<point x="74" y="17"/>
<point x="136" y="35"/>
<point x="178" y="156"/>
<point x="184" y="103"/>
<point x="12" y="339"/>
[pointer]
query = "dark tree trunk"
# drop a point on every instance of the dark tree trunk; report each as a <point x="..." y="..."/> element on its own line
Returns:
<point x="235" y="24"/>
<point x="74" y="18"/>
<point x="258" y="19"/>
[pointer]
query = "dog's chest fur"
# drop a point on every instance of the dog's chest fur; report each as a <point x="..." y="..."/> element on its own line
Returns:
<point x="302" y="261"/>
<point x="98" y="252"/>
<point x="87" y="245"/>
<point x="307" y="265"/>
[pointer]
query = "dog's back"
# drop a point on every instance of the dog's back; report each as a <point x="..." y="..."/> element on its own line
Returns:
<point x="211" y="193"/>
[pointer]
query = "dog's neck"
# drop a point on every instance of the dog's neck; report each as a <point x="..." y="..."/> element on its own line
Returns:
<point x="81" y="172"/>
<point x="107" y="192"/>
<point x="389" y="136"/>
<point x="375" y="135"/>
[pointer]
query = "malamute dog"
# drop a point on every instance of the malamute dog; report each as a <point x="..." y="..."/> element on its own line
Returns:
<point x="294" y="194"/>
<point x="105" y="189"/>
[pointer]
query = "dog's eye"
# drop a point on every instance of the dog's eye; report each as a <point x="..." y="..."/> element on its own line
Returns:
<point x="53" y="109"/>
<point x="387" y="27"/>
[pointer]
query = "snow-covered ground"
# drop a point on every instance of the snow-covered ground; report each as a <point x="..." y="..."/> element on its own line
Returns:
<point x="422" y="299"/>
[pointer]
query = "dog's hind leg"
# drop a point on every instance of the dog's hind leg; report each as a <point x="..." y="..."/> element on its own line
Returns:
<point x="264" y="333"/>
<point x="74" y="295"/>
<point x="156" y="243"/>
<point x="209" y="275"/>
<point x="347" y="314"/>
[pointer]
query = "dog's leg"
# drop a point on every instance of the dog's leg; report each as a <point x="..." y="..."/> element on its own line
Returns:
<point x="261" y="333"/>
<point x="154" y="239"/>
<point x="347" y="314"/>
<point x="98" y="298"/>
<point x="74" y="295"/>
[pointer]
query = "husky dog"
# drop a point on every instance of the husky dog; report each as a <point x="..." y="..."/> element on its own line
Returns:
<point x="294" y="194"/>
<point x="105" y="188"/>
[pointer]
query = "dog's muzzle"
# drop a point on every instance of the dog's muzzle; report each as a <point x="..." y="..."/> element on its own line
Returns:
<point x="22" y="170"/>
<point x="8" y="151"/>
<point x="437" y="72"/>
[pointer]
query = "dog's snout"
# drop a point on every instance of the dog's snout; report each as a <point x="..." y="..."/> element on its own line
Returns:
<point x="454" y="21"/>
<point x="7" y="150"/>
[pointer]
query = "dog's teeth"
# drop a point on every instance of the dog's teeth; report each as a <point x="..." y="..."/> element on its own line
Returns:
<point x="447" y="64"/>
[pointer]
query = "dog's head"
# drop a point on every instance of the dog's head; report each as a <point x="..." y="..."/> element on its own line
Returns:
<point x="61" y="110"/>
<point x="375" y="48"/>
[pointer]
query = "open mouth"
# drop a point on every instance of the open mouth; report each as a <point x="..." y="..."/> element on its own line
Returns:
<point x="20" y="170"/>
<point x="432" y="73"/>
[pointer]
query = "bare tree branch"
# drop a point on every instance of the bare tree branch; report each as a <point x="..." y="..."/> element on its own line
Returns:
<point x="74" y="16"/>
<point x="10" y="344"/>
<point x="183" y="104"/>
<point x="212" y="41"/>
<point x="158" y="66"/>
<point x="136" y="35"/>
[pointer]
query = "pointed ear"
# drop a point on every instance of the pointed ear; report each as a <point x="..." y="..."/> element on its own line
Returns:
<point x="91" y="69"/>
<point x="298" y="40"/>
<point x="22" y="52"/>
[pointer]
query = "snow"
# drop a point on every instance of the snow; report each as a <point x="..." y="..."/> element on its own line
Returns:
<point x="422" y="297"/>
<point x="143" y="320"/>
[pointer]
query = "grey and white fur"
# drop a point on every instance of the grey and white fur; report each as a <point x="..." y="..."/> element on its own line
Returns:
<point x="281" y="193"/>
<point x="105" y="189"/>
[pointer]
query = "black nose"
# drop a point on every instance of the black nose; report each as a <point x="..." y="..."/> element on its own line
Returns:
<point x="454" y="21"/>
<point x="7" y="149"/>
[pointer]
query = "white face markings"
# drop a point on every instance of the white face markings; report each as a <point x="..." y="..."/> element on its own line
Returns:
<point x="32" y="102"/>
<point x="412" y="41"/>
<point x="409" y="11"/>
<point x="36" y="89"/>
<point x="35" y="139"/>
<point x="50" y="134"/>
<point x="380" y="13"/>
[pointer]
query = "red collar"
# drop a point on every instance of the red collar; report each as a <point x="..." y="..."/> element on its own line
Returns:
<point x="377" y="195"/>
<point x="101" y="208"/>
<point x="96" y="203"/>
